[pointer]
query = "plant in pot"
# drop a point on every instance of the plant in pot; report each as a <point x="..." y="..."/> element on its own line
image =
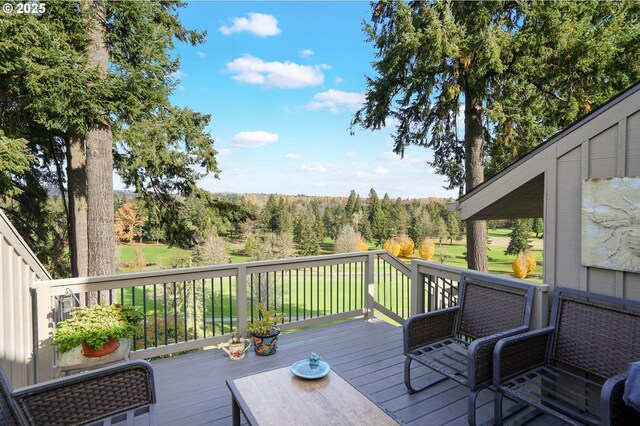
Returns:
<point x="98" y="328"/>
<point x="265" y="331"/>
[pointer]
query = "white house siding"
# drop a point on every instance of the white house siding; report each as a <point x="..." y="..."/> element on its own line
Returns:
<point x="19" y="268"/>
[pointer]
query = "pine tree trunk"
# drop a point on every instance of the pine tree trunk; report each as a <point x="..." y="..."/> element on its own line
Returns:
<point x="101" y="240"/>
<point x="77" y="193"/>
<point x="474" y="169"/>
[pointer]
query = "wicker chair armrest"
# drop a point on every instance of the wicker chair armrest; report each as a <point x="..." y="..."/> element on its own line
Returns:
<point x="613" y="410"/>
<point x="420" y="330"/>
<point x="516" y="354"/>
<point x="480" y="357"/>
<point x="90" y="396"/>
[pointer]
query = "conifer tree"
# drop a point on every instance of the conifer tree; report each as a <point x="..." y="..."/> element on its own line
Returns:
<point x="519" y="71"/>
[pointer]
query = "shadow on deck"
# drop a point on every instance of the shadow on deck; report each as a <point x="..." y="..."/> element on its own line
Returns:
<point x="368" y="354"/>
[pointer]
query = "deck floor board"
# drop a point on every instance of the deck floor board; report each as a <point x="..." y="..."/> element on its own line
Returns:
<point x="192" y="388"/>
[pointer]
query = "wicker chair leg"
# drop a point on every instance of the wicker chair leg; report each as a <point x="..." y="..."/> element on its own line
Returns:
<point x="497" y="407"/>
<point x="471" y="407"/>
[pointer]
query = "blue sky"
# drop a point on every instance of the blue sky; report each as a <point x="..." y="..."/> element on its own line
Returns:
<point x="281" y="81"/>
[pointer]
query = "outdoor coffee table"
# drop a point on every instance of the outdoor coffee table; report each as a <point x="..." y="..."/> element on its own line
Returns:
<point x="277" y="397"/>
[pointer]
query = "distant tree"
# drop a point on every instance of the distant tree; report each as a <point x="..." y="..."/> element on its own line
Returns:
<point x="519" y="241"/>
<point x="415" y="228"/>
<point x="399" y="219"/>
<point x="251" y="245"/>
<point x="439" y="229"/>
<point x="376" y="217"/>
<point x="454" y="226"/>
<point x="347" y="240"/>
<point x="365" y="230"/>
<point x="210" y="250"/>
<point x="537" y="226"/>
<point x="350" y="207"/>
<point x="305" y="235"/>
<point x="127" y="223"/>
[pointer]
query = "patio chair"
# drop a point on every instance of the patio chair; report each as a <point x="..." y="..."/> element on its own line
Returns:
<point x="458" y="342"/>
<point x="575" y="368"/>
<point x="109" y="395"/>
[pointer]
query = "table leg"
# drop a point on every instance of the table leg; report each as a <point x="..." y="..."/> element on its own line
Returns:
<point x="235" y="412"/>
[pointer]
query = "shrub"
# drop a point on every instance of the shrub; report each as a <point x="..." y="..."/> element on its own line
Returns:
<point x="427" y="248"/>
<point x="392" y="246"/>
<point x="96" y="325"/>
<point x="520" y="266"/>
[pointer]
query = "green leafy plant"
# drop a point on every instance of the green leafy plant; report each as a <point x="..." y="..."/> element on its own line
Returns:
<point x="268" y="323"/>
<point x="96" y="325"/>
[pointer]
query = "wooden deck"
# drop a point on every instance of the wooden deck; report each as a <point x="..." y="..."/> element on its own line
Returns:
<point x="368" y="354"/>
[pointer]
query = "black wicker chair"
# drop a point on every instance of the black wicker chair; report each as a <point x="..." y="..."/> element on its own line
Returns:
<point x="115" y="393"/>
<point x="458" y="342"/>
<point x="575" y="368"/>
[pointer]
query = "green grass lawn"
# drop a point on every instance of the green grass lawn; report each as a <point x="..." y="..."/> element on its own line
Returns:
<point x="311" y="293"/>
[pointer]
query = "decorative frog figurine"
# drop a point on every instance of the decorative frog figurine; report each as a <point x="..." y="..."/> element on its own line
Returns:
<point x="314" y="360"/>
<point x="237" y="347"/>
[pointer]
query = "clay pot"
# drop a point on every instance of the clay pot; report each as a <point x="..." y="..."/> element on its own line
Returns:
<point x="108" y="348"/>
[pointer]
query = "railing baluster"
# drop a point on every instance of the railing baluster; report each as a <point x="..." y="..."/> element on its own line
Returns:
<point x="155" y="317"/>
<point x="230" y="304"/>
<point x="144" y="309"/>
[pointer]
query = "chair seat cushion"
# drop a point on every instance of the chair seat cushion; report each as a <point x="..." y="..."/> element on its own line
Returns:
<point x="558" y="392"/>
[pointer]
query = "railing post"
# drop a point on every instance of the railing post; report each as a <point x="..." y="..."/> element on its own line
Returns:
<point x="43" y="331"/>
<point x="241" y="299"/>
<point x="370" y="283"/>
<point x="417" y="290"/>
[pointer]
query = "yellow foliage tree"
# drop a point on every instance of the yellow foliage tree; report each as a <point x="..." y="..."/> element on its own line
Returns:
<point x="392" y="246"/>
<point x="406" y="245"/>
<point x="531" y="261"/>
<point x="520" y="266"/>
<point x="362" y="244"/>
<point x="126" y="223"/>
<point x="427" y="248"/>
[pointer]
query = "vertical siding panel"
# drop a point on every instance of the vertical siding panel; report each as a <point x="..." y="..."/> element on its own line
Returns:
<point x="603" y="163"/>
<point x="568" y="225"/>
<point x="632" y="286"/>
<point x="19" y="268"/>
<point x="550" y="205"/>
<point x="584" y="171"/>
<point x="3" y="276"/>
<point x="633" y="145"/>
<point x="603" y="154"/>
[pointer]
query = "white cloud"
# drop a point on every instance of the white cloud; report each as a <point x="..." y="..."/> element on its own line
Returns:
<point x="339" y="80"/>
<point x="180" y="88"/>
<point x="315" y="168"/>
<point x="258" y="24"/>
<point x="336" y="101"/>
<point x="178" y="75"/>
<point x="351" y="154"/>
<point x="285" y="75"/>
<point x="408" y="159"/>
<point x="201" y="54"/>
<point x="293" y="155"/>
<point x="305" y="53"/>
<point x="381" y="171"/>
<point x="224" y="152"/>
<point x="254" y="139"/>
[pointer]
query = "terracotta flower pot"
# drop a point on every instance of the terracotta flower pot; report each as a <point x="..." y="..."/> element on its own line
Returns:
<point x="108" y="348"/>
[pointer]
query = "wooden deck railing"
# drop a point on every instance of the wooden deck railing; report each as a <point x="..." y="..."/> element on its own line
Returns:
<point x="194" y="308"/>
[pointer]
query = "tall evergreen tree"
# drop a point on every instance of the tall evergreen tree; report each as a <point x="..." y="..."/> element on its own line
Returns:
<point x="376" y="217"/>
<point x="484" y="58"/>
<point x="70" y="80"/>
<point x="537" y="226"/>
<point x="519" y="240"/>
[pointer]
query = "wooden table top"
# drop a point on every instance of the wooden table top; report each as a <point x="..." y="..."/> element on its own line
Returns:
<point x="277" y="397"/>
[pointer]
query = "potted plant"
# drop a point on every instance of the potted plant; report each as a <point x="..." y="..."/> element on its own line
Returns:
<point x="98" y="328"/>
<point x="265" y="331"/>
